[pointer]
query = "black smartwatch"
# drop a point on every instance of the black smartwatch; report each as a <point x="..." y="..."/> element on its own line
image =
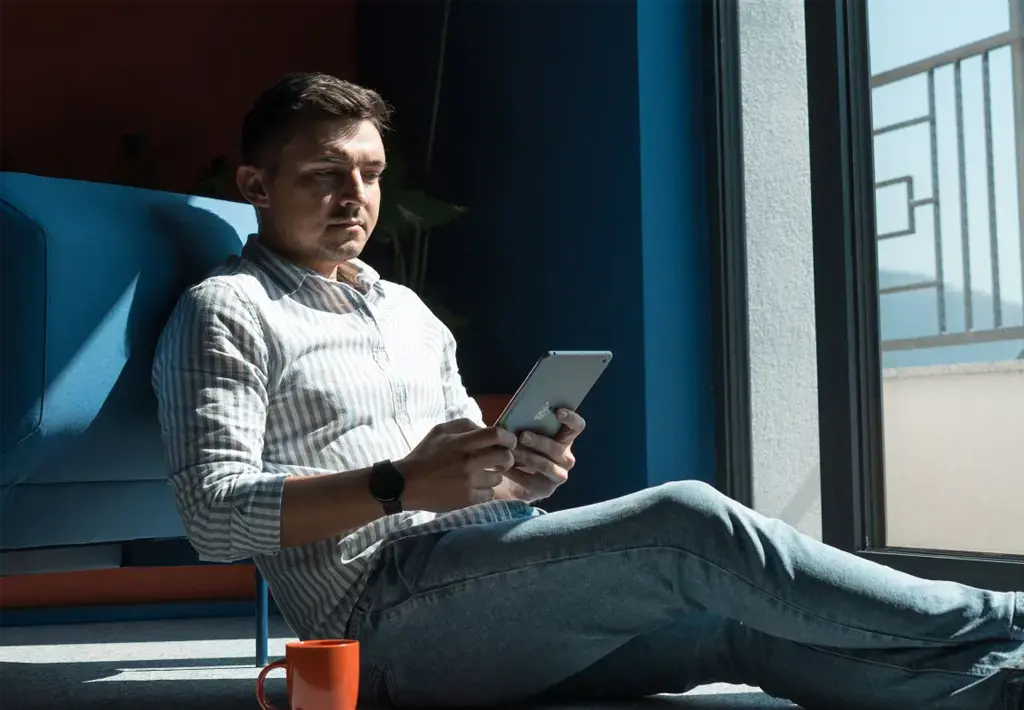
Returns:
<point x="387" y="485"/>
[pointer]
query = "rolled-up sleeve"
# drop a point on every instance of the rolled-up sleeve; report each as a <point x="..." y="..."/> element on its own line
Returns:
<point x="210" y="378"/>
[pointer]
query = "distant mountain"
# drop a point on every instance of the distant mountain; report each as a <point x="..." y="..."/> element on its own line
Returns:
<point x="914" y="314"/>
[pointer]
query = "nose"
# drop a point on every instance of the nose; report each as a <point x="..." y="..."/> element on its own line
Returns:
<point x="354" y="189"/>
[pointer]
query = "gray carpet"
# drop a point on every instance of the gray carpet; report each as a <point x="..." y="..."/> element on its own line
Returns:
<point x="197" y="663"/>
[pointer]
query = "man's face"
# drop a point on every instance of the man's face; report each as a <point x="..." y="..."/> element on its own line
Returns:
<point x="320" y="201"/>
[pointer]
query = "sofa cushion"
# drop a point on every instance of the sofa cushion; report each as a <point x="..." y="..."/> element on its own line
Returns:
<point x="90" y="273"/>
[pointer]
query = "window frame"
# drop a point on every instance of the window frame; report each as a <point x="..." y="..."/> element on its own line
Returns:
<point x="728" y="251"/>
<point x="846" y="308"/>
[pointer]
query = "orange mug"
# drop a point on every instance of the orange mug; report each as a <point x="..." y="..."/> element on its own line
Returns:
<point x="321" y="675"/>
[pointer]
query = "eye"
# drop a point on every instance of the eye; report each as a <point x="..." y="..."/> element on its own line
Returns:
<point x="371" y="176"/>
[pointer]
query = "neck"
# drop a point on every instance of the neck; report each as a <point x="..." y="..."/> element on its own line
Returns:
<point x="327" y="269"/>
<point x="333" y="270"/>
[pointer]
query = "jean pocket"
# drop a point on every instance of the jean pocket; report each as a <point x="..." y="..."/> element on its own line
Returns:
<point x="410" y="560"/>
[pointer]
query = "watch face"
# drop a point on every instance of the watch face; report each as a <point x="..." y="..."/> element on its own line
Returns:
<point x="386" y="482"/>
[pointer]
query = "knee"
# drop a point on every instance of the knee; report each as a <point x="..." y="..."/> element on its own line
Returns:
<point x="693" y="492"/>
<point x="687" y="500"/>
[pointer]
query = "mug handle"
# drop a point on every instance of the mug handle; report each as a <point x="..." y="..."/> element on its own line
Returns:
<point x="259" y="684"/>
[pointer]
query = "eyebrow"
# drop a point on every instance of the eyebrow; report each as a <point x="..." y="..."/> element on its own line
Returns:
<point x="373" y="163"/>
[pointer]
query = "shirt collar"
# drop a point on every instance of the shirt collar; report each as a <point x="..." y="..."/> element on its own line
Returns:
<point x="291" y="276"/>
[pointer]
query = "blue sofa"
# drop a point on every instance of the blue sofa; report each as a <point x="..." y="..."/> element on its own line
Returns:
<point x="88" y="275"/>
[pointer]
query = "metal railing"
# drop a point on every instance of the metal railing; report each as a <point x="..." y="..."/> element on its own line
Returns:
<point x="984" y="48"/>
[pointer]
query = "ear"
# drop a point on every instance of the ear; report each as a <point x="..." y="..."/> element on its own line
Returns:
<point x="251" y="182"/>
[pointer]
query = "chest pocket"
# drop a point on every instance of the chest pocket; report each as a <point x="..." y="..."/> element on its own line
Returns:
<point x="416" y="353"/>
<point x="326" y="390"/>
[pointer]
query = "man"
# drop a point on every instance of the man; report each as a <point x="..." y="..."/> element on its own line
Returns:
<point x="315" y="420"/>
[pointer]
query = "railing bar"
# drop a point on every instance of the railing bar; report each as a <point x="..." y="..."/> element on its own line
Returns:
<point x="901" y="125"/>
<point x="915" y="286"/>
<point x="965" y="237"/>
<point x="1017" y="80"/>
<point x="940" y="292"/>
<point x="972" y="338"/>
<point x="912" y="204"/>
<point x="993" y="236"/>
<point x="911" y="212"/>
<point x="892" y="181"/>
<point x="895" y="235"/>
<point x="953" y="55"/>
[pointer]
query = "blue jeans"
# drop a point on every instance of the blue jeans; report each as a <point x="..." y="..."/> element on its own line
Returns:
<point x="664" y="590"/>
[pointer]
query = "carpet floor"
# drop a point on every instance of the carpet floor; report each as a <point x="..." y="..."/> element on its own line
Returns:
<point x="200" y="663"/>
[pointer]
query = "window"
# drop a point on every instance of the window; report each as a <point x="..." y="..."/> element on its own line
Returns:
<point x="917" y="159"/>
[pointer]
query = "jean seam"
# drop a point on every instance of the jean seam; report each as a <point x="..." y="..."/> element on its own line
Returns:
<point x="354" y="625"/>
<point x="1017" y="614"/>
<point x="417" y="596"/>
<point x="990" y="670"/>
<point x="383" y="690"/>
<point x="1007" y="695"/>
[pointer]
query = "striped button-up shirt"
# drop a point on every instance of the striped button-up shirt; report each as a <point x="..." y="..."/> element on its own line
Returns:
<point x="267" y="370"/>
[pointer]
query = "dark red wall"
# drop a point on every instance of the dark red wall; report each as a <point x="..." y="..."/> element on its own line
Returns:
<point x="76" y="75"/>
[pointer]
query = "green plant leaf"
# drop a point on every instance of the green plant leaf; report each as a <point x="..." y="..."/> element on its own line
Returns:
<point x="407" y="215"/>
<point x="420" y="209"/>
<point x="397" y="173"/>
<point x="390" y="219"/>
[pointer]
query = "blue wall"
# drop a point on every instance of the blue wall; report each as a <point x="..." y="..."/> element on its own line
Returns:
<point x="675" y="245"/>
<point x="572" y="130"/>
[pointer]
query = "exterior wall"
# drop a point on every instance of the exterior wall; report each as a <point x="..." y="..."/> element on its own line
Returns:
<point x="954" y="457"/>
<point x="783" y="361"/>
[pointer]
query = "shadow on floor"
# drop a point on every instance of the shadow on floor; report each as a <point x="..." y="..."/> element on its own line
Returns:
<point x="204" y="664"/>
<point x="725" y="700"/>
<point x="186" y="664"/>
<point x="162" y="631"/>
<point x="195" y="685"/>
<point x="115" y="685"/>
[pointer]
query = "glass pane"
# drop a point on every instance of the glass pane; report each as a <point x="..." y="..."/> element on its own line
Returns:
<point x="905" y="31"/>
<point x="951" y="269"/>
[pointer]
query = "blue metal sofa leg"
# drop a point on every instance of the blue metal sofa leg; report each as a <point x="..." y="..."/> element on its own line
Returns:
<point x="262" y="622"/>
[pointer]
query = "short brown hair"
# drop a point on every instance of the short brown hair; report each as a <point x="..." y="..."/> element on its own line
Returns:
<point x="282" y="109"/>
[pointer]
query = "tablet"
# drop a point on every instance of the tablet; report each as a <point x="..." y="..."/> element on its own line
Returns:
<point x="558" y="379"/>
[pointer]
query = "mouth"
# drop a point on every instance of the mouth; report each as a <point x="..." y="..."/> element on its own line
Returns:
<point x="347" y="223"/>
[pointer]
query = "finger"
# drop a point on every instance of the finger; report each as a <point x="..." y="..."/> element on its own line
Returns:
<point x="568" y="461"/>
<point x="531" y="482"/>
<point x="489" y="476"/>
<point x="542" y="465"/>
<point x="481" y="495"/>
<point x="572" y="425"/>
<point x="544" y="445"/>
<point x="487" y="437"/>
<point x="495" y="460"/>
<point x="537" y="487"/>
<point x="486" y="478"/>
<point x="458" y="426"/>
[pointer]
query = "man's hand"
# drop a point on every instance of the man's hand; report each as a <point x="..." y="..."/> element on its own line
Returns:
<point x="457" y="464"/>
<point x="542" y="464"/>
